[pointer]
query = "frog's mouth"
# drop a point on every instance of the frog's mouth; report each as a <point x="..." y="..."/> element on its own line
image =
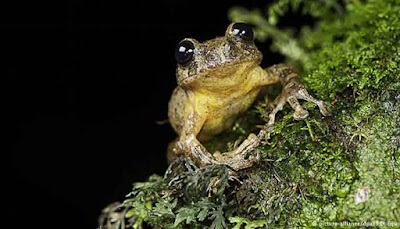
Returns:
<point x="188" y="80"/>
<point x="212" y="74"/>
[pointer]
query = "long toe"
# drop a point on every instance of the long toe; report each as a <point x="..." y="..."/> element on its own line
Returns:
<point x="300" y="114"/>
<point x="325" y="110"/>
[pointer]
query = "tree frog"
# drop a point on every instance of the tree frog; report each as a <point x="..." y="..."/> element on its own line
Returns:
<point x="218" y="80"/>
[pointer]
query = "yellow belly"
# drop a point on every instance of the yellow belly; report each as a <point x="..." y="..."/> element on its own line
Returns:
<point x="222" y="115"/>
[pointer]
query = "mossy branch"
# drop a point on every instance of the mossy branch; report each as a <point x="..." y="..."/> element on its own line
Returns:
<point x="320" y="172"/>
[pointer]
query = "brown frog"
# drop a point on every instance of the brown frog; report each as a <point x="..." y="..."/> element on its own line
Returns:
<point x="220" y="79"/>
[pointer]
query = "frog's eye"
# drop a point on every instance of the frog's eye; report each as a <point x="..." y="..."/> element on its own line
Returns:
<point x="184" y="51"/>
<point x="242" y="31"/>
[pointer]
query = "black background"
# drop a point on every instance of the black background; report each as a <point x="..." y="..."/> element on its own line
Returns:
<point x="86" y="83"/>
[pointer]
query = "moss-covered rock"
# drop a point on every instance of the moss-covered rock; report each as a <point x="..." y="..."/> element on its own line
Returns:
<point x="320" y="172"/>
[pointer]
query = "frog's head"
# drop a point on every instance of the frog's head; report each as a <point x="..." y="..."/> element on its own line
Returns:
<point x="216" y="58"/>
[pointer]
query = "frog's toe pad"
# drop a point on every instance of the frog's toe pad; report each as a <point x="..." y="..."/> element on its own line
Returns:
<point x="300" y="114"/>
<point x="325" y="110"/>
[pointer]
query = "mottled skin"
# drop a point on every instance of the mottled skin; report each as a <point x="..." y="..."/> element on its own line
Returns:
<point x="222" y="81"/>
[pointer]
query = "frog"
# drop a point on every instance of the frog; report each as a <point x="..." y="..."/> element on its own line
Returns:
<point x="218" y="80"/>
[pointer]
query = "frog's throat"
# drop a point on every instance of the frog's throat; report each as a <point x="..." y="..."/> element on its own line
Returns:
<point x="222" y="71"/>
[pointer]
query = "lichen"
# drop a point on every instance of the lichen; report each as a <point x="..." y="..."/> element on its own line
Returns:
<point x="319" y="172"/>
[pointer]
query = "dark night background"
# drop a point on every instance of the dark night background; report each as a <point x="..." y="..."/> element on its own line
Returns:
<point x="86" y="83"/>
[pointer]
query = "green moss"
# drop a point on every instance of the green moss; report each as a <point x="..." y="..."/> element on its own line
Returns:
<point x="358" y="49"/>
<point x="366" y="56"/>
<point x="318" y="172"/>
<point x="373" y="172"/>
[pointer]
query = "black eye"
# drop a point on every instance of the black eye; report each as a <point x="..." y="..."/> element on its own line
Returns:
<point x="243" y="31"/>
<point x="184" y="51"/>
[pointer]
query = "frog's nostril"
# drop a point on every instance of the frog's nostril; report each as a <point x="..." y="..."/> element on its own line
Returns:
<point x="213" y="59"/>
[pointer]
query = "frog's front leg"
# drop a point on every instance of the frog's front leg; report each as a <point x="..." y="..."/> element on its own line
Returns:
<point x="293" y="90"/>
<point x="191" y="146"/>
<point x="188" y="143"/>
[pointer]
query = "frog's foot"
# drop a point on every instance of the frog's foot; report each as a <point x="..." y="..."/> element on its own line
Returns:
<point x="241" y="157"/>
<point x="291" y="93"/>
<point x="193" y="149"/>
<point x="235" y="160"/>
